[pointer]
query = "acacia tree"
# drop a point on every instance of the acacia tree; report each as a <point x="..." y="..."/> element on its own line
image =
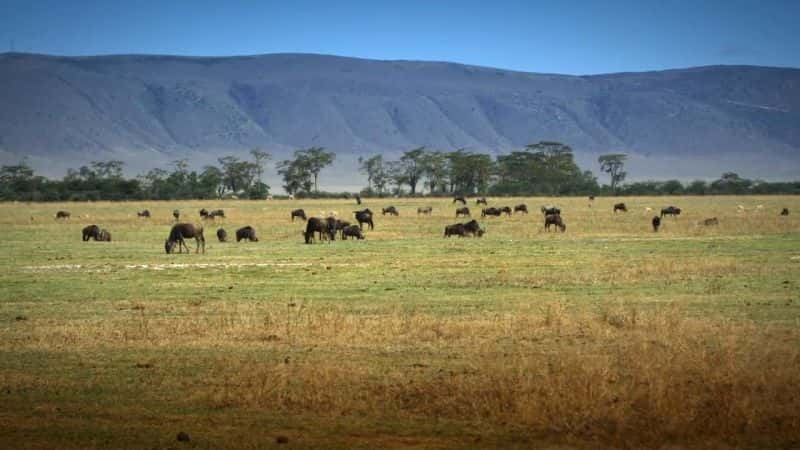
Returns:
<point x="411" y="167"/>
<point x="434" y="167"/>
<point x="612" y="164"/>
<point x="316" y="159"/>
<point x="372" y="167"/>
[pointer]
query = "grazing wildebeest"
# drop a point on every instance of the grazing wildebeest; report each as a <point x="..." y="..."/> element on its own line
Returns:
<point x="457" y="229"/>
<point x="460" y="199"/>
<point x="352" y="231"/>
<point x="298" y="213"/>
<point x="711" y="221"/>
<point x="176" y="214"/>
<point x="656" y="222"/>
<point x="145" y="214"/>
<point x="670" y="211"/>
<point x="103" y="236"/>
<point x="785" y="212"/>
<point x="62" y="215"/>
<point x="364" y="216"/>
<point x="521" y="208"/>
<point x="463" y="211"/>
<point x="203" y="213"/>
<point x="317" y="225"/>
<point x="550" y="210"/>
<point x="216" y="213"/>
<point x="506" y="209"/>
<point x="340" y="225"/>
<point x="620" y="207"/>
<point x="180" y="231"/>
<point x="425" y="210"/>
<point x="554" y="219"/>
<point x="391" y="210"/>
<point x="474" y="228"/>
<point x="492" y="211"/>
<point x="222" y="235"/>
<point x="247" y="233"/>
<point x="481" y="201"/>
<point x="91" y="232"/>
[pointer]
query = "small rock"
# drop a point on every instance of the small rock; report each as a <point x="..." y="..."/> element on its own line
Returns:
<point x="183" y="437"/>
<point x="282" y="439"/>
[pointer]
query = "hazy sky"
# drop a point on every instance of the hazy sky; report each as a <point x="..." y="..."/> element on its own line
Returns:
<point x="575" y="37"/>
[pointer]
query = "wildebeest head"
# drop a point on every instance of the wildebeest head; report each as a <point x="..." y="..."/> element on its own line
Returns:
<point x="169" y="246"/>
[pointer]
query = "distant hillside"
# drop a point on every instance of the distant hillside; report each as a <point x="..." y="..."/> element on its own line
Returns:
<point x="148" y="110"/>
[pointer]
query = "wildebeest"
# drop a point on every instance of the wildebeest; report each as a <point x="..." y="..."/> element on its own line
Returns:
<point x="222" y="235"/>
<point x="491" y="211"/>
<point x="317" y="225"/>
<point x="176" y="214"/>
<point x="145" y="213"/>
<point x="391" y="210"/>
<point x="474" y="228"/>
<point x="506" y="209"/>
<point x="247" y="233"/>
<point x="711" y="221"/>
<point x="358" y="199"/>
<point x="62" y="215"/>
<point x="463" y="211"/>
<point x="620" y="207"/>
<point x="364" y="216"/>
<point x="481" y="201"/>
<point x="460" y="199"/>
<point x="181" y="231"/>
<point x="91" y="232"/>
<point x="340" y="225"/>
<point x="521" y="208"/>
<point x="457" y="229"/>
<point x="425" y="210"/>
<point x="352" y="231"/>
<point x="656" y="222"/>
<point x="103" y="236"/>
<point x="549" y="210"/>
<point x="216" y="213"/>
<point x="670" y="211"/>
<point x="591" y="198"/>
<point x="203" y="213"/>
<point x="298" y="213"/>
<point x="785" y="212"/>
<point x="554" y="219"/>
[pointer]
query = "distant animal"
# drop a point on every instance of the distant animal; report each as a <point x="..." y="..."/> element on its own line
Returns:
<point x="506" y="209"/>
<point x="481" y="201"/>
<point x="352" y="231"/>
<point x="491" y="211"/>
<point x="317" y="225"/>
<point x="91" y="232"/>
<point x="620" y="207"/>
<point x="176" y="214"/>
<point x="591" y="198"/>
<point x="523" y="208"/>
<point x="298" y="213"/>
<point x="181" y="231"/>
<point x="364" y="217"/>
<point x="103" y="236"/>
<point x="247" y="233"/>
<point x="216" y="213"/>
<point x="463" y="211"/>
<point x="711" y="221"/>
<point x="670" y="211"/>
<point x="554" y="219"/>
<point x="358" y="199"/>
<point x="656" y="222"/>
<point x="145" y="213"/>
<point x="548" y="210"/>
<point x="203" y="213"/>
<point x="222" y="235"/>
<point x="425" y="210"/>
<point x="391" y="210"/>
<point x="457" y="229"/>
<point x="62" y="215"/>
<point x="785" y="212"/>
<point x="474" y="228"/>
<point x="460" y="199"/>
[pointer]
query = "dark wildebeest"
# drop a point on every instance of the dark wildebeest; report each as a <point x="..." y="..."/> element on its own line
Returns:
<point x="299" y="213"/>
<point x="358" y="199"/>
<point x="216" y="213"/>
<point x="91" y="232"/>
<point x="364" y="216"/>
<point x="620" y="207"/>
<point x="464" y="211"/>
<point x="785" y="212"/>
<point x="180" y="231"/>
<point x="460" y="199"/>
<point x="352" y="231"/>
<point x="481" y="201"/>
<point x="506" y="209"/>
<point x="145" y="214"/>
<point x="554" y="219"/>
<point x="247" y="233"/>
<point x="591" y="198"/>
<point x="656" y="222"/>
<point x="550" y="210"/>
<point x="317" y="225"/>
<point x="425" y="210"/>
<point x="492" y="211"/>
<point x="457" y="229"/>
<point x="711" y="221"/>
<point x="176" y="214"/>
<point x="203" y="213"/>
<point x="340" y="225"/>
<point x="670" y="211"/>
<point x="222" y="235"/>
<point x="521" y="208"/>
<point x="391" y="210"/>
<point x="474" y="228"/>
<point x="62" y="215"/>
<point x="104" y="236"/>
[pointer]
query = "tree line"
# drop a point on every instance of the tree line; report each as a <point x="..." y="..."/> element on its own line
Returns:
<point x="544" y="169"/>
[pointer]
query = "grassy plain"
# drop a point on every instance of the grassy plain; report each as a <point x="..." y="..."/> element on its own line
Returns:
<point x="608" y="335"/>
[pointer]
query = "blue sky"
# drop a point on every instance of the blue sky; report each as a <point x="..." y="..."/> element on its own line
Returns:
<point x="574" y="37"/>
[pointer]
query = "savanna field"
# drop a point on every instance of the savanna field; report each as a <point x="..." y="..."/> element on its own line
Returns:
<point x="606" y="336"/>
